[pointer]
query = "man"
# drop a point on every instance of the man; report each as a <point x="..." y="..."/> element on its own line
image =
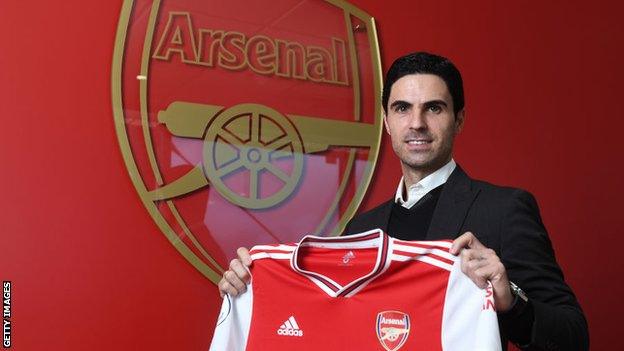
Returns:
<point x="503" y="240"/>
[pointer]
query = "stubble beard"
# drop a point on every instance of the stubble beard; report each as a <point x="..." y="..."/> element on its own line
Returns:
<point x="424" y="163"/>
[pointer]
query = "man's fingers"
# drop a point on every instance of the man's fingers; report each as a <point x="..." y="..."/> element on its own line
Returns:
<point x="460" y="243"/>
<point x="466" y="240"/>
<point x="468" y="255"/>
<point x="479" y="271"/>
<point x="481" y="265"/>
<point x="231" y="283"/>
<point x="226" y="288"/>
<point x="243" y="256"/>
<point x="474" y="263"/>
<point x="495" y="273"/>
<point x="479" y="280"/>
<point x="240" y="271"/>
<point x="235" y="281"/>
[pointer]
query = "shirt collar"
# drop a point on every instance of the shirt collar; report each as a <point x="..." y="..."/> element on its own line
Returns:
<point x="416" y="191"/>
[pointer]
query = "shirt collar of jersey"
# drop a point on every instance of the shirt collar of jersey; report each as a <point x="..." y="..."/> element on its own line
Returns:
<point x="372" y="238"/>
<point x="416" y="191"/>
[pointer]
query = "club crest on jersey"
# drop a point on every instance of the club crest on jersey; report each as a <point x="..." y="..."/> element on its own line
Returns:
<point x="392" y="329"/>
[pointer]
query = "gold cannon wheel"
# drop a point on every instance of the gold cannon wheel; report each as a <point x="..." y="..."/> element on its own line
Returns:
<point x="257" y="139"/>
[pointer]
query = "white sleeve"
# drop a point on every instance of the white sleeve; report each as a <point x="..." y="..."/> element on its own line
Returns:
<point x="469" y="320"/>
<point x="233" y="323"/>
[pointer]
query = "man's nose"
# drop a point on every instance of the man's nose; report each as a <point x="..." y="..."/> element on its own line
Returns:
<point x="417" y="120"/>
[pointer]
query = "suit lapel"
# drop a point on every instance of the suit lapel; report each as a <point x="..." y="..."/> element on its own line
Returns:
<point x="455" y="200"/>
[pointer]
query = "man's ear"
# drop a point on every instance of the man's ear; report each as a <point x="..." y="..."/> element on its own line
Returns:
<point x="385" y="119"/>
<point x="460" y="117"/>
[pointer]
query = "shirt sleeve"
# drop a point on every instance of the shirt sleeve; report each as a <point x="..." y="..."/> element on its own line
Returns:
<point x="233" y="324"/>
<point x="469" y="321"/>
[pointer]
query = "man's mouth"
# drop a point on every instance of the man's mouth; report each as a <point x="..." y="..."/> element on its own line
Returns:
<point x="418" y="141"/>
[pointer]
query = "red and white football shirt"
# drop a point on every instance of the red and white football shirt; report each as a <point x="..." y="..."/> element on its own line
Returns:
<point x="359" y="292"/>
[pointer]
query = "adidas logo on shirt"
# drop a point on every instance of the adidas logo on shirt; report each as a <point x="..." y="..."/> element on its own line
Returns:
<point x="348" y="257"/>
<point x="290" y="328"/>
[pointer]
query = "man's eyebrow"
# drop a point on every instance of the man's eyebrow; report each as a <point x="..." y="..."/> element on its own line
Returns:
<point x="435" y="103"/>
<point x="401" y="103"/>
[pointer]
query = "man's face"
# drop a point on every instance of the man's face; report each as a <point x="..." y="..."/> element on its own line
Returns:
<point x="421" y="124"/>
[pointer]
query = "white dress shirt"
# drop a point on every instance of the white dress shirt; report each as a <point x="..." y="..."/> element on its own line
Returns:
<point x="416" y="191"/>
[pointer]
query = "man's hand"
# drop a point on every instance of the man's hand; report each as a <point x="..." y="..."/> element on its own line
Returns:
<point x="235" y="279"/>
<point x="481" y="265"/>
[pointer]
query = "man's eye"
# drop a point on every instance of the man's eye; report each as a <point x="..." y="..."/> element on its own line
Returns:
<point x="400" y="108"/>
<point x="435" y="109"/>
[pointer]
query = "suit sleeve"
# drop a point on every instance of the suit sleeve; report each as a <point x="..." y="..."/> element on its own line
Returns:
<point x="553" y="319"/>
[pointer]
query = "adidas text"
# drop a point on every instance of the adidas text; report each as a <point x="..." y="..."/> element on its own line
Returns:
<point x="290" y="328"/>
<point x="290" y="332"/>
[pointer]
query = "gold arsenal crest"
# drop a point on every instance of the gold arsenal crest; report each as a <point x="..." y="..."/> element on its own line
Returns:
<point x="246" y="122"/>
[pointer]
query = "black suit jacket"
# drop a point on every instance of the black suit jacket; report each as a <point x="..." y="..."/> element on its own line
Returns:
<point x="508" y="221"/>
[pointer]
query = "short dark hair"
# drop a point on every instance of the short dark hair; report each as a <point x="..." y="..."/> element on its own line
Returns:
<point x="426" y="63"/>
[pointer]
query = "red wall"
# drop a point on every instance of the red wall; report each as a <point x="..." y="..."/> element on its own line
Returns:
<point x="89" y="267"/>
